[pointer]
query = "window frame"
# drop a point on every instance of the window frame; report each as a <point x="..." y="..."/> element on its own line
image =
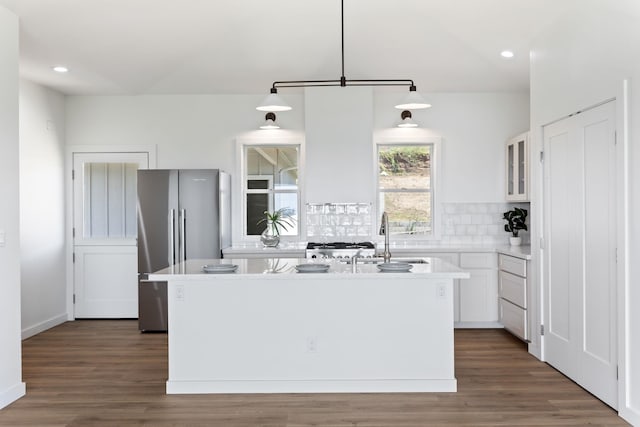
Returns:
<point x="435" y="189"/>
<point x="241" y="182"/>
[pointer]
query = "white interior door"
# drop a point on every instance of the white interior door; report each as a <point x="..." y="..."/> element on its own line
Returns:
<point x="104" y="234"/>
<point x="580" y="252"/>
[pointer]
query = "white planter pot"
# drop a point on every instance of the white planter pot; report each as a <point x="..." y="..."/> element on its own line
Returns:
<point x="515" y="241"/>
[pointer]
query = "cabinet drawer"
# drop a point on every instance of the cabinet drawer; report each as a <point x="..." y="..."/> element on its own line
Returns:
<point x="513" y="265"/>
<point x="513" y="288"/>
<point x="514" y="319"/>
<point x="478" y="260"/>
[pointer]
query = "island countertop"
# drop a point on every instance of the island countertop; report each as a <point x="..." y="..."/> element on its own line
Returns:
<point x="276" y="268"/>
<point x="266" y="328"/>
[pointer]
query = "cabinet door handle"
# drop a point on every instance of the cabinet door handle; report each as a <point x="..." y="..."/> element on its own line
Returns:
<point x="172" y="234"/>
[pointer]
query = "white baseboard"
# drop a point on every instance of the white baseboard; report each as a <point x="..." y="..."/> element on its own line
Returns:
<point x="630" y="415"/>
<point x="311" y="386"/>
<point x="12" y="394"/>
<point x="43" y="326"/>
<point x="478" y="325"/>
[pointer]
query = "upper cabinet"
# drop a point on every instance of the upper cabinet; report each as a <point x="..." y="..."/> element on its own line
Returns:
<point x="517" y="156"/>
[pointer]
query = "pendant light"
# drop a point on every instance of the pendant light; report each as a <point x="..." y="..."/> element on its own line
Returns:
<point x="413" y="101"/>
<point x="407" y="121"/>
<point x="270" y="121"/>
<point x="273" y="102"/>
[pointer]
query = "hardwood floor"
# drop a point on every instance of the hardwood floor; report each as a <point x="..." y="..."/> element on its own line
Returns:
<point x="105" y="373"/>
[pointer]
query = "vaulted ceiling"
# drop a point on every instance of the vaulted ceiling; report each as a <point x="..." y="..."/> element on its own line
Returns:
<point x="242" y="46"/>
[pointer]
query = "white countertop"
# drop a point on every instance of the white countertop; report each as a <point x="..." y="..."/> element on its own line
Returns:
<point x="277" y="268"/>
<point x="297" y="249"/>
<point x="523" y="252"/>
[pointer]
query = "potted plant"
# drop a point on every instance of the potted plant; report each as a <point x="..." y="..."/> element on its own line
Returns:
<point x="516" y="219"/>
<point x="275" y="222"/>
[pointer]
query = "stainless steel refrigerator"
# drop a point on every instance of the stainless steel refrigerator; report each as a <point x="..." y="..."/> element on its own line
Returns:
<point x="182" y="214"/>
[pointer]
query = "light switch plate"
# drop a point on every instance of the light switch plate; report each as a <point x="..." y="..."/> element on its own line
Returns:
<point x="2" y="238"/>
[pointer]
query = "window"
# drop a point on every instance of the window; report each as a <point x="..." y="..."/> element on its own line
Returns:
<point x="109" y="208"/>
<point x="405" y="188"/>
<point x="270" y="183"/>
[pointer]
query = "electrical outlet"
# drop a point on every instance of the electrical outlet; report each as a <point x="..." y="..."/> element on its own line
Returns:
<point x="180" y="293"/>
<point x="442" y="291"/>
<point x="2" y="238"/>
<point x="312" y="345"/>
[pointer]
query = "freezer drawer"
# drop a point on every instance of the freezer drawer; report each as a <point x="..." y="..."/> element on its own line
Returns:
<point x="513" y="288"/>
<point x="514" y="319"/>
<point x="152" y="306"/>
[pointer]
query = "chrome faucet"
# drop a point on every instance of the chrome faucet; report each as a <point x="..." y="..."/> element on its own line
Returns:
<point x="354" y="261"/>
<point x="384" y="229"/>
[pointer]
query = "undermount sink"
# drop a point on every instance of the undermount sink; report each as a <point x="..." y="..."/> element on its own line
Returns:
<point x="380" y="260"/>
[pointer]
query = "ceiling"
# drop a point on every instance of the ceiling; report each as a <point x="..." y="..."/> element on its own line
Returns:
<point x="242" y="46"/>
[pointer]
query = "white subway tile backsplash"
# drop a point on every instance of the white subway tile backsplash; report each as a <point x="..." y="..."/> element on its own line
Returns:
<point x="479" y="223"/>
<point x="344" y="220"/>
<point x="449" y="209"/>
<point x="460" y="223"/>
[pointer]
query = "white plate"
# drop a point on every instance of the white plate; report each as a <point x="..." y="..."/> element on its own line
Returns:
<point x="312" y="268"/>
<point x="395" y="266"/>
<point x="220" y="268"/>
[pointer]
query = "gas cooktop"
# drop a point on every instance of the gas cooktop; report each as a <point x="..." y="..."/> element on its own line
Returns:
<point x="340" y="249"/>
<point x="341" y="245"/>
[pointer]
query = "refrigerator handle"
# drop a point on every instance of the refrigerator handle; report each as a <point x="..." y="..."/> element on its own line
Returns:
<point x="183" y="235"/>
<point x="172" y="234"/>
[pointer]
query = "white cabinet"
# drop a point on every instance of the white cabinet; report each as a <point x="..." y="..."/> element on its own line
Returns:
<point x="479" y="294"/>
<point x="476" y="298"/>
<point x="513" y="295"/>
<point x="517" y="167"/>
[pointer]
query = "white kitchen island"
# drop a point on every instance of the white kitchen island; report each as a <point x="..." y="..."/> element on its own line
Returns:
<point x="268" y="329"/>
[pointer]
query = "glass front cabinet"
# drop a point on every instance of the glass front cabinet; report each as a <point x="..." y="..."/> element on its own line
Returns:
<point x="517" y="156"/>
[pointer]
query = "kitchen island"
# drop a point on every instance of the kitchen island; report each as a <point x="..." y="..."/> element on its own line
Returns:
<point x="268" y="329"/>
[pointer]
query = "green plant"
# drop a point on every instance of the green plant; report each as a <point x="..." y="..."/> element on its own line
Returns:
<point x="278" y="220"/>
<point x="515" y="221"/>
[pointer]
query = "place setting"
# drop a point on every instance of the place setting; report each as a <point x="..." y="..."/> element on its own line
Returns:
<point x="220" y="268"/>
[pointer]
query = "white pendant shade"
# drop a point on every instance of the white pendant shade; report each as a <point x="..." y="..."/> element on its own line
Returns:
<point x="407" y="123"/>
<point x="270" y="121"/>
<point x="407" y="120"/>
<point x="269" y="124"/>
<point x="273" y="102"/>
<point x="413" y="101"/>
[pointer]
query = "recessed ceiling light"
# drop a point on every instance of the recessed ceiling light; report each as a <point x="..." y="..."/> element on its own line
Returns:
<point x="60" y="69"/>
<point x="506" y="54"/>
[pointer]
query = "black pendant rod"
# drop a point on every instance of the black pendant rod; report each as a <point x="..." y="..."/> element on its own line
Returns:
<point x="343" y="80"/>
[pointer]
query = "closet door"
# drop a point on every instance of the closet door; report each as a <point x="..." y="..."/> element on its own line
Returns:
<point x="580" y="249"/>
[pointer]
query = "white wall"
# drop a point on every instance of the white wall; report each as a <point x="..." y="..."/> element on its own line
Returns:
<point x="190" y="131"/>
<point x="337" y="124"/>
<point x="338" y="135"/>
<point x="474" y="128"/>
<point x="42" y="208"/>
<point x="11" y="385"/>
<point x="580" y="60"/>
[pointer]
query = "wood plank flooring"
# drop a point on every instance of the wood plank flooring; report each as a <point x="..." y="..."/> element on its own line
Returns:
<point x="105" y="373"/>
